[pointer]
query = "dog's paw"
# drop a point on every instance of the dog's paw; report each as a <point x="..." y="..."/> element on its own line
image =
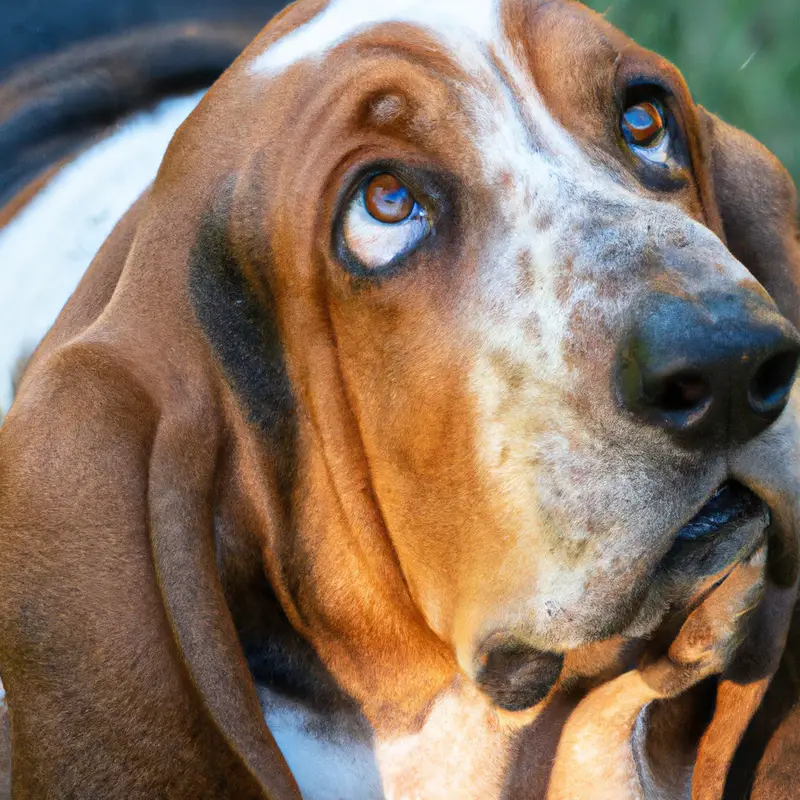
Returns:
<point x="713" y="631"/>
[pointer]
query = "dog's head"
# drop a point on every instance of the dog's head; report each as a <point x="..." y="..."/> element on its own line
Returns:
<point x="547" y="298"/>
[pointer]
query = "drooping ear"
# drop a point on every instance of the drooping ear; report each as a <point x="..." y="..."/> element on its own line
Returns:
<point x="181" y="515"/>
<point x="237" y="322"/>
<point x="181" y="523"/>
<point x="757" y="202"/>
<point x="124" y="670"/>
<point x="110" y="697"/>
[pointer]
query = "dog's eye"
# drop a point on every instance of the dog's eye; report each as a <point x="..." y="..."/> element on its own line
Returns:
<point x="383" y="221"/>
<point x="644" y="128"/>
<point x="643" y="124"/>
<point x="387" y="199"/>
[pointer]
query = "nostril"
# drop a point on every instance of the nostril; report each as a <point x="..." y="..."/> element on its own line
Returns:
<point x="712" y="370"/>
<point x="770" y="386"/>
<point x="684" y="392"/>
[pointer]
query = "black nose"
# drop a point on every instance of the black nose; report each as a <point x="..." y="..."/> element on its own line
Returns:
<point x="714" y="367"/>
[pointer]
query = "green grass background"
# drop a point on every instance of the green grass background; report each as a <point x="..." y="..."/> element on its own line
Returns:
<point x="741" y="59"/>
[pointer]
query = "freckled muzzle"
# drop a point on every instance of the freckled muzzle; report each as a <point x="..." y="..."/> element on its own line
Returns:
<point x="725" y="531"/>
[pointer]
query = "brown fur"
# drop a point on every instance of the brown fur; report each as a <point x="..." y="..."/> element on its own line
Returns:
<point x="171" y="508"/>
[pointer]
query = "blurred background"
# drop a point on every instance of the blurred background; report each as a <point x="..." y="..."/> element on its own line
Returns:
<point x="741" y="59"/>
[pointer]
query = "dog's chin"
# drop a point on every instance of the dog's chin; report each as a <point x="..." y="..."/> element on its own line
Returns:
<point x="727" y="530"/>
<point x="515" y="675"/>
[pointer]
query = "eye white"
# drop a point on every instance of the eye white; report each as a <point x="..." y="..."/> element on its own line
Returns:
<point x="376" y="244"/>
<point x="656" y="154"/>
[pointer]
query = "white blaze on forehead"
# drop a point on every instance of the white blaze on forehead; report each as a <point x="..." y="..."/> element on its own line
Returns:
<point x="474" y="33"/>
<point x="478" y="19"/>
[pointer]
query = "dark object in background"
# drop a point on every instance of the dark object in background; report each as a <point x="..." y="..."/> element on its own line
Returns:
<point x="71" y="68"/>
<point x="35" y="28"/>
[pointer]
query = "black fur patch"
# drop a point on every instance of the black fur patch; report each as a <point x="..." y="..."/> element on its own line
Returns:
<point x="52" y="108"/>
<point x="241" y="328"/>
<point x="514" y="675"/>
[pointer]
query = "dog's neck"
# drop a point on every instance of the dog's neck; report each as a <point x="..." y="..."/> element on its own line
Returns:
<point x="442" y="729"/>
<point x="398" y="752"/>
<point x="460" y="746"/>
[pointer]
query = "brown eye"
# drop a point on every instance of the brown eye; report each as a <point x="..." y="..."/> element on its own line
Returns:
<point x="383" y="222"/>
<point x="387" y="199"/>
<point x="643" y="125"/>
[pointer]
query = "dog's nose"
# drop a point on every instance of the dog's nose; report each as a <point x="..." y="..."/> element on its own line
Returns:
<point x="716" y="367"/>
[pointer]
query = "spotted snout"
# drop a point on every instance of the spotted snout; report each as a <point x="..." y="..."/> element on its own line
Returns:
<point x="703" y="372"/>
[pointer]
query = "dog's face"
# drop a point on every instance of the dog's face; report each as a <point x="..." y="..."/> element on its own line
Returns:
<point x="507" y="212"/>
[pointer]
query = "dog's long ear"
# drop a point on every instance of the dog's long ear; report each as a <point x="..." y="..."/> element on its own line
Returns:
<point x="124" y="670"/>
<point x="106" y="698"/>
<point x="757" y="203"/>
<point x="244" y="339"/>
<point x="181" y="523"/>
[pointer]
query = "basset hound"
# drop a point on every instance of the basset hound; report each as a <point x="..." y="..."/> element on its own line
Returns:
<point x="426" y="430"/>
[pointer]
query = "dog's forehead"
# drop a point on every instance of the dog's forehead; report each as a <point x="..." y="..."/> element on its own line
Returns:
<point x="478" y="21"/>
<point x="486" y="39"/>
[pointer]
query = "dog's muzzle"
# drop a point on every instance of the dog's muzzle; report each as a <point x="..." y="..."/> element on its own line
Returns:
<point x="726" y="530"/>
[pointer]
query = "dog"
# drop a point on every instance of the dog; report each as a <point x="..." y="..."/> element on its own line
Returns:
<point x="425" y="430"/>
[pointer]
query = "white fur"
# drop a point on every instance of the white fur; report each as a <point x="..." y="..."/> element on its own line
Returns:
<point x="462" y="751"/>
<point x="47" y="247"/>
<point x="328" y="761"/>
<point x="2" y="692"/>
<point x="342" y="18"/>
<point x="470" y="27"/>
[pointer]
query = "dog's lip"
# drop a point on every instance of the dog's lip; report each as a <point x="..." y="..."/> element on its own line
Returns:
<point x="727" y="529"/>
<point x="730" y="503"/>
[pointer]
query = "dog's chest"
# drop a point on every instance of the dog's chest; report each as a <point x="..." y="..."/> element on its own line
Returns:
<point x="330" y="759"/>
<point x="460" y="751"/>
